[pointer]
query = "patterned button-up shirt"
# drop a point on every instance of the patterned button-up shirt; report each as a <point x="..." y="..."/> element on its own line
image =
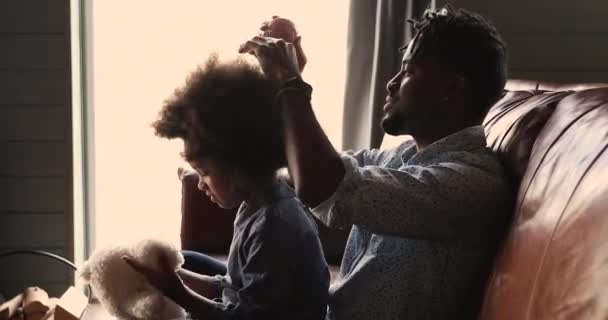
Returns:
<point x="425" y="227"/>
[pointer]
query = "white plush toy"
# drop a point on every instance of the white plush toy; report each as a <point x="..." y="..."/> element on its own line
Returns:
<point x="125" y="293"/>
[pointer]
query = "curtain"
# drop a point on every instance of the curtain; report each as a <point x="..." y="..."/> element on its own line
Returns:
<point x="376" y="31"/>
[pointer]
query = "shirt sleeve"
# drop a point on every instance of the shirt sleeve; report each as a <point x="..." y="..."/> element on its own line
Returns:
<point x="366" y="157"/>
<point x="443" y="201"/>
<point x="266" y="281"/>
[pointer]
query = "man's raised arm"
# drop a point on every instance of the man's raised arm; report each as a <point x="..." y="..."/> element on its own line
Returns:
<point x="314" y="165"/>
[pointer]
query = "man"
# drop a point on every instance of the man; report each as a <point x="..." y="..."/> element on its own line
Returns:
<point x="427" y="217"/>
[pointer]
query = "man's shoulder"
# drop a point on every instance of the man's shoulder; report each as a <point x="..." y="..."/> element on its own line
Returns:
<point x="380" y="157"/>
<point x="481" y="170"/>
<point x="407" y="145"/>
<point x="484" y="159"/>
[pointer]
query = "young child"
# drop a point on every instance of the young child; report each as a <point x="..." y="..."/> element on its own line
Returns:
<point x="229" y="122"/>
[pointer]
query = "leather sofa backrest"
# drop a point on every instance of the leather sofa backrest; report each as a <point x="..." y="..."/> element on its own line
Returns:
<point x="532" y="85"/>
<point x="554" y="262"/>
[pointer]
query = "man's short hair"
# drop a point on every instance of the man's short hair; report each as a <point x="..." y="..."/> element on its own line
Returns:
<point x="467" y="44"/>
<point x="226" y="112"/>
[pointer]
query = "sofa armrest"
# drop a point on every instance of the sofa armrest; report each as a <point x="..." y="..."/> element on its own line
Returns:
<point x="205" y="227"/>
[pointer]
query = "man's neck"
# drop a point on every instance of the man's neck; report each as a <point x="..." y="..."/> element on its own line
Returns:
<point x="425" y="140"/>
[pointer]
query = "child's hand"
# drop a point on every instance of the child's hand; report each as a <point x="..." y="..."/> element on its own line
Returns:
<point x="166" y="280"/>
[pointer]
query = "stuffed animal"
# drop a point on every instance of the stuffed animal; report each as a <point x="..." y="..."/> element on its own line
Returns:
<point x="125" y="293"/>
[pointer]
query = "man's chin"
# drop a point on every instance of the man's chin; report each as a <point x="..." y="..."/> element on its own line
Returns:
<point x="226" y="206"/>
<point x="391" y="125"/>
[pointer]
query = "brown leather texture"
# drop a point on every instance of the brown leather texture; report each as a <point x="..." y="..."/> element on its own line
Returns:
<point x="513" y="124"/>
<point x="532" y="85"/>
<point x="554" y="263"/>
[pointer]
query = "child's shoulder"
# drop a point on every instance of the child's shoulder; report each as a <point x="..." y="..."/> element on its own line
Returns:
<point x="286" y="210"/>
<point x="286" y="215"/>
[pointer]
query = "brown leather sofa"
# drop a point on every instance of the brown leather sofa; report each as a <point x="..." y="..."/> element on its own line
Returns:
<point x="554" y="262"/>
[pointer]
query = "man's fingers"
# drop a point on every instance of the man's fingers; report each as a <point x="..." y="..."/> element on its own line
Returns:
<point x="282" y="44"/>
<point x="253" y="44"/>
<point x="277" y="57"/>
<point x="265" y="26"/>
<point x="259" y="43"/>
<point x="300" y="53"/>
<point x="293" y="56"/>
<point x="246" y="47"/>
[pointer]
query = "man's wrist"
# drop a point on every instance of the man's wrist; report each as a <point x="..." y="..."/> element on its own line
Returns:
<point x="294" y="84"/>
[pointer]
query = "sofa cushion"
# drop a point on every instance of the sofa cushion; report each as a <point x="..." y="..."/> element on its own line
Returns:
<point x="533" y="85"/>
<point x="554" y="263"/>
<point x="513" y="124"/>
<point x="518" y="144"/>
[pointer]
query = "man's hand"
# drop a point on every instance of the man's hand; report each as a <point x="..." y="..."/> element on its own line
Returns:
<point x="277" y="57"/>
<point x="284" y="29"/>
<point x="165" y="279"/>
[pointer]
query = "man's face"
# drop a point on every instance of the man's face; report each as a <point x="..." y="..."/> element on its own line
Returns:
<point x="412" y="101"/>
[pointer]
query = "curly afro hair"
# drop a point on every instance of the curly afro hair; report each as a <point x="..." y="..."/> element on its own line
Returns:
<point x="226" y="112"/>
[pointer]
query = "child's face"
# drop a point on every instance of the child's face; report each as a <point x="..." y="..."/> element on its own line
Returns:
<point x="219" y="183"/>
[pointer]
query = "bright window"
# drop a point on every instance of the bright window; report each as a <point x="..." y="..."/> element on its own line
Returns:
<point x="141" y="51"/>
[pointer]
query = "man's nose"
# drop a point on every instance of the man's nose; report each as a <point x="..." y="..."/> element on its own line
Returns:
<point x="393" y="84"/>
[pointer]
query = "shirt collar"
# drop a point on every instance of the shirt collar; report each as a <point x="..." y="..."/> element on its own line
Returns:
<point x="467" y="139"/>
<point x="280" y="190"/>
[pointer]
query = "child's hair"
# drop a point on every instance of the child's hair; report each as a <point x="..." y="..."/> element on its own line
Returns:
<point x="226" y="112"/>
